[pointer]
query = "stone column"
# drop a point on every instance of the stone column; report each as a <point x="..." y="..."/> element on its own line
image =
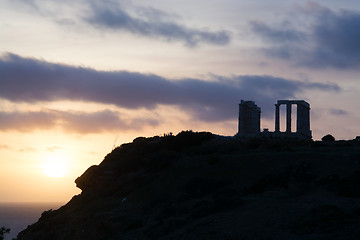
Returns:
<point x="240" y="119"/>
<point x="300" y="118"/>
<point x="303" y="120"/>
<point x="306" y="119"/>
<point x="288" y="117"/>
<point x="277" y="117"/>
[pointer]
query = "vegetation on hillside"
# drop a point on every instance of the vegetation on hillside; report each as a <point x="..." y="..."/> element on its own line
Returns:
<point x="3" y="231"/>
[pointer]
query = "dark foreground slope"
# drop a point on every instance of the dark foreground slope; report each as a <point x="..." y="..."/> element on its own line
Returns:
<point x="200" y="186"/>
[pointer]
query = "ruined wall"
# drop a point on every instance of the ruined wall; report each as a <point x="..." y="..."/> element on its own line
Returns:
<point x="249" y="118"/>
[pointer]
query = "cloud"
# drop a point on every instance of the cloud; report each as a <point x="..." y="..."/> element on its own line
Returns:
<point x="27" y="149"/>
<point x="72" y="122"/>
<point x="152" y="24"/>
<point x="338" y="112"/>
<point x="53" y="148"/>
<point x="330" y="40"/>
<point x="103" y="121"/>
<point x="25" y="122"/>
<point x="337" y="37"/>
<point x="32" y="80"/>
<point x="277" y="35"/>
<point x="3" y="146"/>
<point x="109" y="15"/>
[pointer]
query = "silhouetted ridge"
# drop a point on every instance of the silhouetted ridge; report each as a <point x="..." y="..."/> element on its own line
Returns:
<point x="128" y="158"/>
<point x="197" y="185"/>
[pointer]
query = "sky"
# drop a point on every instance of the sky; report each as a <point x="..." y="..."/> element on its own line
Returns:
<point x="80" y="77"/>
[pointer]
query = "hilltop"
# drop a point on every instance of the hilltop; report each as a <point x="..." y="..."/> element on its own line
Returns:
<point x="204" y="186"/>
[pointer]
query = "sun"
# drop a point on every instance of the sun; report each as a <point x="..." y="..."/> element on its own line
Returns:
<point x="55" y="166"/>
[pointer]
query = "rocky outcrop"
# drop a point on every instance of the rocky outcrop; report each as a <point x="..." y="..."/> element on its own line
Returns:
<point x="203" y="186"/>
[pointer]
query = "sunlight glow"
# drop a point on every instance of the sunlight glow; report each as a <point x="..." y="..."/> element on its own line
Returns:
<point x="55" y="166"/>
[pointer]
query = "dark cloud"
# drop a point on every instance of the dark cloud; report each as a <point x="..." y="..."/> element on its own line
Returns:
<point x="152" y="23"/>
<point x="277" y="35"/>
<point x="331" y="40"/>
<point x="337" y="36"/>
<point x="31" y="80"/>
<point x="110" y="15"/>
<point x="73" y="122"/>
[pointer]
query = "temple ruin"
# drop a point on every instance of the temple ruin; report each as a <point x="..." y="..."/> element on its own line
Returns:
<point x="249" y="120"/>
<point x="302" y="117"/>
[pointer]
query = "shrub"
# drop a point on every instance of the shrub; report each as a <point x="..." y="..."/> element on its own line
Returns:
<point x="3" y="231"/>
<point x="328" y="138"/>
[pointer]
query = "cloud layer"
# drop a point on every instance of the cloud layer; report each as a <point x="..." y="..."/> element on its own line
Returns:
<point x="111" y="16"/>
<point x="330" y="40"/>
<point x="75" y="122"/>
<point x="32" y="80"/>
<point x="312" y="36"/>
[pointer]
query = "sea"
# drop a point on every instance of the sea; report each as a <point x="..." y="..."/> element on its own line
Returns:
<point x="17" y="216"/>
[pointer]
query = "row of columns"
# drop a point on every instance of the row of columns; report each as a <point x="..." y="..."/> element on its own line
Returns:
<point x="303" y="116"/>
<point x="288" y="117"/>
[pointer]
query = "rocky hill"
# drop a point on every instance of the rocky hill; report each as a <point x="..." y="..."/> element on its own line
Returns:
<point x="202" y="186"/>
